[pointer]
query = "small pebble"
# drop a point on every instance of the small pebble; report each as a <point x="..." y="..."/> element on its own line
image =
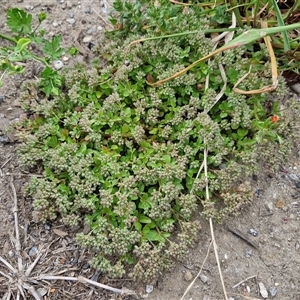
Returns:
<point x="297" y="246"/>
<point x="277" y="245"/>
<point x="88" y="11"/>
<point x="188" y="276"/>
<point x="99" y="28"/>
<point x="87" y="39"/>
<point x="86" y="266"/>
<point x="91" y="45"/>
<point x="55" y="24"/>
<point x="71" y="21"/>
<point x="69" y="4"/>
<point x="149" y="288"/>
<point x="203" y="278"/>
<point x="293" y="177"/>
<point x="71" y="15"/>
<point x="1" y="99"/>
<point x="273" y="291"/>
<point x="206" y="297"/>
<point x="253" y="232"/>
<point x="65" y="58"/>
<point x="33" y="251"/>
<point x="90" y="31"/>
<point x="42" y="291"/>
<point x="4" y="139"/>
<point x="254" y="177"/>
<point x="58" y="65"/>
<point x="262" y="290"/>
<point x="248" y="253"/>
<point x="47" y="226"/>
<point x="297" y="184"/>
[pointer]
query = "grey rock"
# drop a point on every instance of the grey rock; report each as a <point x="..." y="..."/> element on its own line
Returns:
<point x="33" y="251"/>
<point x="149" y="288"/>
<point x="253" y="232"/>
<point x="263" y="291"/>
<point x="42" y="291"/>
<point x="273" y="291"/>
<point x="58" y="65"/>
<point x="71" y="21"/>
<point x="4" y="139"/>
<point x="203" y="278"/>
<point x="248" y="253"/>
<point x="293" y="176"/>
<point x="71" y="15"/>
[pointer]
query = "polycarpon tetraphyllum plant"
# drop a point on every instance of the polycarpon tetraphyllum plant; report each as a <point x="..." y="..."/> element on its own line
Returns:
<point x="124" y="157"/>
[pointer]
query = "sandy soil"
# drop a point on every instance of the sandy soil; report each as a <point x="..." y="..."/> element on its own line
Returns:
<point x="269" y="253"/>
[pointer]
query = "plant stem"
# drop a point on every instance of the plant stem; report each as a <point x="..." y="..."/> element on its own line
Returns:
<point x="8" y="38"/>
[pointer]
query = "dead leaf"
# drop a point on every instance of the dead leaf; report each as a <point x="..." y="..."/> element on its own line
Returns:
<point x="280" y="203"/>
<point x="60" y="232"/>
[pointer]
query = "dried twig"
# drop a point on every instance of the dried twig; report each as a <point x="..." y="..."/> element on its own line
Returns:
<point x="8" y="265"/>
<point x="106" y="23"/>
<point x="123" y="291"/>
<point x="243" y="237"/>
<point x="15" y="211"/>
<point x="192" y="283"/>
<point x="250" y="277"/>
<point x="211" y="226"/>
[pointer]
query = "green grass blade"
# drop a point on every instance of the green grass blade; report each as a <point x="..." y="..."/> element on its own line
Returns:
<point x="286" y="42"/>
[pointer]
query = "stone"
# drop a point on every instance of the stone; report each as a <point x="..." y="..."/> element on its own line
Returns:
<point x="87" y="39"/>
<point x="55" y="24"/>
<point x="69" y="4"/>
<point x="253" y="232"/>
<point x="58" y="65"/>
<point x="33" y="251"/>
<point x="263" y="291"/>
<point x="203" y="278"/>
<point x="297" y="184"/>
<point x="188" y="276"/>
<point x="149" y="288"/>
<point x="248" y="253"/>
<point x="293" y="177"/>
<point x="273" y="291"/>
<point x="42" y="291"/>
<point x="71" y="21"/>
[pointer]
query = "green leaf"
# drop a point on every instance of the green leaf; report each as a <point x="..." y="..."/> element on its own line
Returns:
<point x="42" y="17"/>
<point x="242" y="132"/>
<point x="22" y="44"/>
<point x="52" y="141"/>
<point x="144" y="219"/>
<point x="19" y="21"/>
<point x="138" y="226"/>
<point x="52" y="48"/>
<point x="152" y="235"/>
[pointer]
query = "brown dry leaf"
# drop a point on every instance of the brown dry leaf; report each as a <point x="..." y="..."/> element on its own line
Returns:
<point x="280" y="203"/>
<point x="60" y="232"/>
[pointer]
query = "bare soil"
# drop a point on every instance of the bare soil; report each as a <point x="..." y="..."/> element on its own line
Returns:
<point x="261" y="245"/>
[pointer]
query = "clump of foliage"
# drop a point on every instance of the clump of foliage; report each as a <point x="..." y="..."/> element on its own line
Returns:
<point x="28" y="44"/>
<point x="125" y="157"/>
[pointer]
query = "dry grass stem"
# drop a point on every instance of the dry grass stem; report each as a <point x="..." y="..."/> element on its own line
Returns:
<point x="192" y="283"/>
